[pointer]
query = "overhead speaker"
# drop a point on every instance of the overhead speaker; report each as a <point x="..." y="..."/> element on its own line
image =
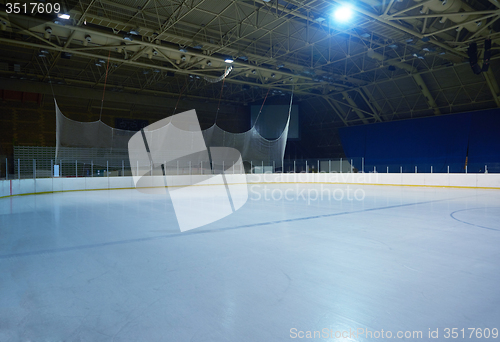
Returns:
<point x="472" y="53"/>
<point x="487" y="55"/>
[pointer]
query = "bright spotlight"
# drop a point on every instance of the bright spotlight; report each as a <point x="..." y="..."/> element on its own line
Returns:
<point x="63" y="16"/>
<point x="343" y="13"/>
<point x="229" y="60"/>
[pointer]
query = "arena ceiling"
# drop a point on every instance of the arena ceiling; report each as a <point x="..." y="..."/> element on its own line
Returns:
<point x="394" y="59"/>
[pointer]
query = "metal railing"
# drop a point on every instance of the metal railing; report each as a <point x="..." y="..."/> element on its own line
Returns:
<point x="45" y="168"/>
<point x="39" y="162"/>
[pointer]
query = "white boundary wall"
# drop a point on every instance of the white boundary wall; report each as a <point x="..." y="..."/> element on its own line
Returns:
<point x="471" y="180"/>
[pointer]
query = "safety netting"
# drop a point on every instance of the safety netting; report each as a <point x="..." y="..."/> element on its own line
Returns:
<point x="112" y="144"/>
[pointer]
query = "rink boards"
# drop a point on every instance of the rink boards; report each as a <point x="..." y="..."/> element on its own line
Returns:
<point x="47" y="185"/>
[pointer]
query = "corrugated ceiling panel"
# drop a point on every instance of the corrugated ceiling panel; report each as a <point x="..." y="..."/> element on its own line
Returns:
<point x="430" y="82"/>
<point x="215" y="6"/>
<point x="466" y="75"/>
<point x="389" y="90"/>
<point x="199" y="18"/>
<point x="408" y="86"/>
<point x="446" y="78"/>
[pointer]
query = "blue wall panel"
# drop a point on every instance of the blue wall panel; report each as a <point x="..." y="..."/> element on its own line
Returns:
<point x="484" y="141"/>
<point x="439" y="142"/>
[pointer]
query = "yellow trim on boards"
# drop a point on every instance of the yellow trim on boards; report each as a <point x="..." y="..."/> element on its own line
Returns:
<point x="176" y="186"/>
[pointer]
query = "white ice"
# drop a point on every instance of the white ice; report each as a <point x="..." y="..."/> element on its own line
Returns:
<point x="114" y="266"/>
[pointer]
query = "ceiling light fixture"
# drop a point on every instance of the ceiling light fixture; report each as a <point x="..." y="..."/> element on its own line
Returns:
<point x="229" y="60"/>
<point x="343" y="13"/>
<point x="63" y="16"/>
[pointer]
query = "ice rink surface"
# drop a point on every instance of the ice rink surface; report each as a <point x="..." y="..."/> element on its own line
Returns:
<point x="114" y="266"/>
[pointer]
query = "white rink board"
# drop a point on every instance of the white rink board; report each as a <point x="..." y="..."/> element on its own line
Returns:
<point x="42" y="185"/>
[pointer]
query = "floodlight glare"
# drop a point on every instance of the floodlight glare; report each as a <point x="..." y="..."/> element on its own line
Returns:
<point x="229" y="60"/>
<point x="63" y="16"/>
<point x="343" y="13"/>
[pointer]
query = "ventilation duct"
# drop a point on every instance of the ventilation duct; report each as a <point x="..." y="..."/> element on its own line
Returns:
<point x="452" y="6"/>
